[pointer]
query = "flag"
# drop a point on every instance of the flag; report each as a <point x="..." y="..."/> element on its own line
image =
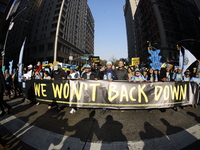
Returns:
<point x="13" y="8"/>
<point x="188" y="59"/>
<point x="181" y="59"/>
<point x="20" y="61"/>
<point x="10" y="67"/>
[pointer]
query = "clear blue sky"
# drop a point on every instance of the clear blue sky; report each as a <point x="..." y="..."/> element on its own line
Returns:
<point x="110" y="32"/>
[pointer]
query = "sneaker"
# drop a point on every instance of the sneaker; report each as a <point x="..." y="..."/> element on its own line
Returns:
<point x="38" y="103"/>
<point x="72" y="111"/>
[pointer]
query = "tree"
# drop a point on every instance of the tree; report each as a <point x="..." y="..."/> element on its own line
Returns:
<point x="103" y="62"/>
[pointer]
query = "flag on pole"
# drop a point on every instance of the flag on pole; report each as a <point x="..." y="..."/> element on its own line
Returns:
<point x="181" y="59"/>
<point x="189" y="58"/>
<point x="20" y="61"/>
<point x="13" y="8"/>
<point x="10" y="67"/>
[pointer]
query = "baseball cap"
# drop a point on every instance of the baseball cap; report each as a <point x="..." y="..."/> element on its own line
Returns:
<point x="87" y="66"/>
<point x="55" y="68"/>
<point x="30" y="66"/>
<point x="109" y="62"/>
<point x="137" y="70"/>
<point x="72" y="67"/>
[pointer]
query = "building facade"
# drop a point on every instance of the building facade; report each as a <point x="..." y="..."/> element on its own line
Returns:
<point x="54" y="30"/>
<point x="5" y="6"/>
<point x="164" y="24"/>
<point x="129" y="11"/>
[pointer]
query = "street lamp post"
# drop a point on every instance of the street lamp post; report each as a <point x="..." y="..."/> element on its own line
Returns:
<point x="10" y="28"/>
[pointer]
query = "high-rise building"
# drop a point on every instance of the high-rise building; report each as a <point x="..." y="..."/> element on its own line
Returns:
<point x="5" y="6"/>
<point x="129" y="11"/>
<point x="164" y="24"/>
<point x="54" y="30"/>
<point x="197" y="3"/>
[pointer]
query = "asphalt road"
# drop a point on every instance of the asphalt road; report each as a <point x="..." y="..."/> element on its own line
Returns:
<point x="33" y="126"/>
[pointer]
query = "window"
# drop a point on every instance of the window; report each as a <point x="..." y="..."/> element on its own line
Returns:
<point x="41" y="48"/>
<point x="50" y="46"/>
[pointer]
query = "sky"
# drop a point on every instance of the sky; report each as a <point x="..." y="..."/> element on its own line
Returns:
<point x="110" y="40"/>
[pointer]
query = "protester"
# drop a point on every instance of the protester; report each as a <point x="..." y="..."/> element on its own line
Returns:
<point x="37" y="74"/>
<point x="15" y="83"/>
<point x="130" y="73"/>
<point x="113" y="67"/>
<point x="138" y="77"/>
<point x="198" y="67"/>
<point x="47" y="75"/>
<point x="28" y="75"/>
<point x="121" y="72"/>
<point x="73" y="75"/>
<point x="94" y="67"/>
<point x="109" y="73"/>
<point x="58" y="73"/>
<point x="144" y="73"/>
<point x="186" y="76"/>
<point x="39" y="66"/>
<point x="3" y="89"/>
<point x="8" y="80"/>
<point x="178" y="76"/>
<point x="166" y="74"/>
<point x="152" y="76"/>
<point x="88" y="74"/>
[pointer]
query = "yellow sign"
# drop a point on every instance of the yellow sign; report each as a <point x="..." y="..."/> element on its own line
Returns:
<point x="135" y="61"/>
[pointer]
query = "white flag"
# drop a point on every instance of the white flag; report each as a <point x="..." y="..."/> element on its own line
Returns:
<point x="13" y="8"/>
<point x="188" y="59"/>
<point x="20" y="61"/>
<point x="181" y="60"/>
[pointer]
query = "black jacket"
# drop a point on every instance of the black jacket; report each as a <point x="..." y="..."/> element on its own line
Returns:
<point x="121" y="74"/>
<point x="2" y="82"/>
<point x="93" y="75"/>
<point x="163" y="75"/>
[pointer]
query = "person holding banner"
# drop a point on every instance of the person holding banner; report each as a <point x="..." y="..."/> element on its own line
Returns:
<point x="121" y="72"/>
<point x="130" y="73"/>
<point x="109" y="73"/>
<point x="138" y="77"/>
<point x="166" y="74"/>
<point x="57" y="73"/>
<point x="178" y="76"/>
<point x="186" y="76"/>
<point x="152" y="76"/>
<point x="88" y="74"/>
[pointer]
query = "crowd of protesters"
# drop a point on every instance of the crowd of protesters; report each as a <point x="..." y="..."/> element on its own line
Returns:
<point x="13" y="85"/>
<point x="16" y="85"/>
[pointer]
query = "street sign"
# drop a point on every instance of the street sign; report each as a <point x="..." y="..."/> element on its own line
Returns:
<point x="2" y="53"/>
<point x="135" y="61"/>
<point x="95" y="59"/>
<point x="70" y="57"/>
<point x="84" y="58"/>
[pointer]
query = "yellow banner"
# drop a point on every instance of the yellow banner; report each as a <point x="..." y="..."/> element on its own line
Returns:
<point x="135" y="61"/>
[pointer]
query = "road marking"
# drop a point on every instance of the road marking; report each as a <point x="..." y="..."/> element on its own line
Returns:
<point x="43" y="139"/>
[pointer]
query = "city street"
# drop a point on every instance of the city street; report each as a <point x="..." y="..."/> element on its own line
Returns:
<point x="35" y="127"/>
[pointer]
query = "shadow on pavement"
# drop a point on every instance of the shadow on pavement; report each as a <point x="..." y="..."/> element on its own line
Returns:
<point x="150" y="132"/>
<point x="195" y="116"/>
<point x="111" y="131"/>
